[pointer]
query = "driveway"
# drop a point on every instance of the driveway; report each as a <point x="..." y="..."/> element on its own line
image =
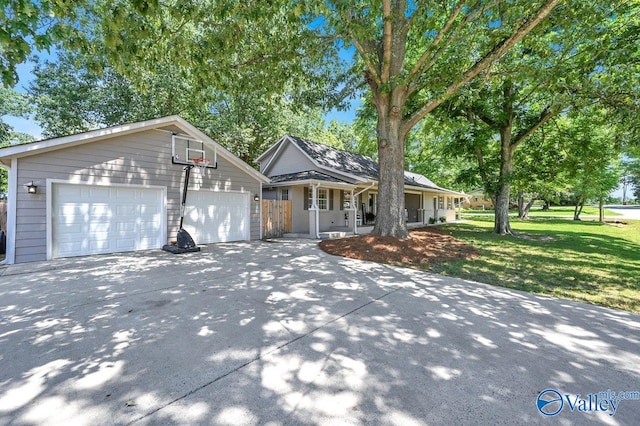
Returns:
<point x="281" y="333"/>
<point x="627" y="212"/>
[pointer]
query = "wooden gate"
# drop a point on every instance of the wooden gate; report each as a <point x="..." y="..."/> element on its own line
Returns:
<point x="276" y="218"/>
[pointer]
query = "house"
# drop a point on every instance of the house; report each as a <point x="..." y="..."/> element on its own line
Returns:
<point x="477" y="200"/>
<point x="119" y="189"/>
<point x="335" y="190"/>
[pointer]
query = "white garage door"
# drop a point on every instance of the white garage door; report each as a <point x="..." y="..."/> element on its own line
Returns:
<point x="217" y="217"/>
<point x="89" y="219"/>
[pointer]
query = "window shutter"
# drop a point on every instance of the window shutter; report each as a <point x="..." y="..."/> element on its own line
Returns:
<point x="305" y="198"/>
<point x="331" y="199"/>
<point x="341" y="200"/>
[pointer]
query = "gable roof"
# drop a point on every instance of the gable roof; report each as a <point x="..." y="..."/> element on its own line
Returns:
<point x="343" y="162"/>
<point x="337" y="159"/>
<point x="170" y="123"/>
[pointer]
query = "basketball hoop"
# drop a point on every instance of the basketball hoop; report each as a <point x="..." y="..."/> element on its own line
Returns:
<point x="200" y="163"/>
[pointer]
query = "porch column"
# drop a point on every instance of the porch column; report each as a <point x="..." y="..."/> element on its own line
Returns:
<point x="313" y="213"/>
<point x="353" y="207"/>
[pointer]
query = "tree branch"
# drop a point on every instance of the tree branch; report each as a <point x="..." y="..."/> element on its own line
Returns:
<point x="498" y="51"/>
<point x="386" y="41"/>
<point x="545" y="116"/>
<point x="436" y="41"/>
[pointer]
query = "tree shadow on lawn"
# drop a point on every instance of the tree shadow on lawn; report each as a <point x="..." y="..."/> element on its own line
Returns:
<point x="579" y="262"/>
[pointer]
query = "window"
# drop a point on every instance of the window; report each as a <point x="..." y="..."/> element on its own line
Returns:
<point x="284" y="194"/>
<point x="440" y="203"/>
<point x="323" y="199"/>
<point x="449" y="203"/>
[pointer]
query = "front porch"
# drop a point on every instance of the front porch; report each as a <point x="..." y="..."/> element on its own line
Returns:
<point x="343" y="231"/>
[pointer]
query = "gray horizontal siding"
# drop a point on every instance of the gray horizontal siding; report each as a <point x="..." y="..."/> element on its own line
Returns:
<point x="290" y="160"/>
<point x="137" y="159"/>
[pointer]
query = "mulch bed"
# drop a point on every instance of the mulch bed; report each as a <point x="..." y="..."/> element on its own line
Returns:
<point x="426" y="245"/>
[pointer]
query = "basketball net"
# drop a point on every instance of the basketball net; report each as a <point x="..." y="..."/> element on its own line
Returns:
<point x="200" y="163"/>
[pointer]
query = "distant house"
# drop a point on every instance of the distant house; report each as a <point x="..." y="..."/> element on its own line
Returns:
<point x="477" y="199"/>
<point x="332" y="189"/>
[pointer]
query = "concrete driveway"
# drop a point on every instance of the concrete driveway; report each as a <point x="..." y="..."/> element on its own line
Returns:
<point x="627" y="212"/>
<point x="281" y="333"/>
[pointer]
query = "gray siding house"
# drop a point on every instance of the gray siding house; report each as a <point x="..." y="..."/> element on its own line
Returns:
<point x="332" y="190"/>
<point x="117" y="189"/>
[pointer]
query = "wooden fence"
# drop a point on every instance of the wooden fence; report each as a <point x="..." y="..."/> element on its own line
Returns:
<point x="276" y="218"/>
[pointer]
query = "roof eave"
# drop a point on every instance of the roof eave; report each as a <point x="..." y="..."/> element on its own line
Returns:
<point x="85" y="137"/>
<point x="306" y="182"/>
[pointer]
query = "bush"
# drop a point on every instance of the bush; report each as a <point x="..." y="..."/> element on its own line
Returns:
<point x="432" y="220"/>
<point x="442" y="219"/>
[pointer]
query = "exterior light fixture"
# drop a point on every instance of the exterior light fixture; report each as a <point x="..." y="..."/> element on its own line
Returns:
<point x="256" y="197"/>
<point x="32" y="188"/>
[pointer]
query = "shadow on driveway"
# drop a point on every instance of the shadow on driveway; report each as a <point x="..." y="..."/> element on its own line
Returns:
<point x="251" y="333"/>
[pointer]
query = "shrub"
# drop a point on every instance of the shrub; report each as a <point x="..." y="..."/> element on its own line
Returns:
<point x="442" y="219"/>
<point x="432" y="220"/>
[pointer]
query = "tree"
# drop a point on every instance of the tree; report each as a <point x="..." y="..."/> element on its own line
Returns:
<point x="554" y="70"/>
<point x="17" y="105"/>
<point x="631" y="177"/>
<point x="76" y="94"/>
<point x="593" y="160"/>
<point x="412" y="62"/>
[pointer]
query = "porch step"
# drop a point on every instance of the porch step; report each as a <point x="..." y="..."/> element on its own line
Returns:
<point x="330" y="235"/>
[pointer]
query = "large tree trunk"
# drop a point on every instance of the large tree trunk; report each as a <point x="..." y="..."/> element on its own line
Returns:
<point x="390" y="220"/>
<point x="501" y="223"/>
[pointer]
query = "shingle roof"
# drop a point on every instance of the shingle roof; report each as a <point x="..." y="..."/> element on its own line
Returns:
<point x="338" y="159"/>
<point x="355" y="164"/>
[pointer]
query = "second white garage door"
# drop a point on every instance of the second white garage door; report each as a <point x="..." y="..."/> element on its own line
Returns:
<point x="217" y="217"/>
<point x="91" y="219"/>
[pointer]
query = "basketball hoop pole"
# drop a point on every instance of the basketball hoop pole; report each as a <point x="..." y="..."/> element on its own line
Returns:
<point x="187" y="174"/>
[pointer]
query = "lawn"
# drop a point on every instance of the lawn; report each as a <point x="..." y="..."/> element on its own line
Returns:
<point x="588" y="261"/>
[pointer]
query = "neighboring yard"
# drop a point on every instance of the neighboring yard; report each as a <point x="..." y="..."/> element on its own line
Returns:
<point x="585" y="261"/>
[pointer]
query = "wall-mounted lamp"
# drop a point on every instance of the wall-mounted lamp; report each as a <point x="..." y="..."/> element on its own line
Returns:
<point x="256" y="197"/>
<point x="32" y="188"/>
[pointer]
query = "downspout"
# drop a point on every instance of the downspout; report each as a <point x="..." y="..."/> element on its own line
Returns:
<point x="355" y="207"/>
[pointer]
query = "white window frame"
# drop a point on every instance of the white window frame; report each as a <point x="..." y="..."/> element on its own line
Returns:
<point x="320" y="199"/>
<point x="284" y="194"/>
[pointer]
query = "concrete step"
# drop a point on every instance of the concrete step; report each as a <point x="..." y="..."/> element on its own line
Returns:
<point x="329" y="235"/>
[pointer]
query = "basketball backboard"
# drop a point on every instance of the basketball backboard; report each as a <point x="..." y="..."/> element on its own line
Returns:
<point x="189" y="151"/>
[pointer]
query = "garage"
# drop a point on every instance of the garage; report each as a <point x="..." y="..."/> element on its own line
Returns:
<point x="217" y="217"/>
<point x="92" y="219"/>
<point x="120" y="189"/>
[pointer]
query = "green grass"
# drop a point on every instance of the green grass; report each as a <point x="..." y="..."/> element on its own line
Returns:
<point x="587" y="261"/>
<point x="552" y="212"/>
